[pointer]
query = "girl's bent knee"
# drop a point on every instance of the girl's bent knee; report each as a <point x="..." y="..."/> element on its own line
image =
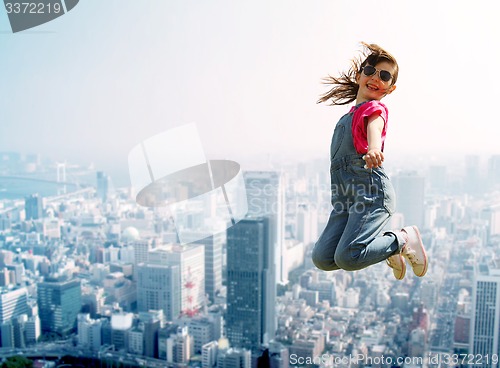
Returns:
<point x="325" y="266"/>
<point x="346" y="262"/>
<point x="322" y="263"/>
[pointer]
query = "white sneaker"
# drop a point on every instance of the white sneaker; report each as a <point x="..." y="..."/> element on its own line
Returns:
<point x="414" y="251"/>
<point x="398" y="265"/>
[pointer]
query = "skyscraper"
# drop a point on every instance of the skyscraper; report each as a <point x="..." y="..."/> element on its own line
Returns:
<point x="266" y="198"/>
<point x="485" y="321"/>
<point x="33" y="207"/>
<point x="307" y="224"/>
<point x="213" y="260"/>
<point x="103" y="186"/>
<point x="191" y="262"/>
<point x="59" y="302"/>
<point x="251" y="285"/>
<point x="473" y="181"/>
<point x="158" y="287"/>
<point x="410" y="194"/>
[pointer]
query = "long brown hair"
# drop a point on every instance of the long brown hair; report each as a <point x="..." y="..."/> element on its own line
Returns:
<point x="345" y="88"/>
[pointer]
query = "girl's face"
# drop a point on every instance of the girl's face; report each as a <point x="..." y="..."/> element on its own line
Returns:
<point x="374" y="87"/>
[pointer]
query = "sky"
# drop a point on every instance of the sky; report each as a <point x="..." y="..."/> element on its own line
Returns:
<point x="92" y="84"/>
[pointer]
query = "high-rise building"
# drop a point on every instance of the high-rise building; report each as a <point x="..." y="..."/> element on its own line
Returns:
<point x="150" y="323"/>
<point x="307" y="224"/>
<point x="190" y="259"/>
<point x="492" y="215"/>
<point x="13" y="303"/>
<point x="294" y="254"/>
<point x="410" y="194"/>
<point x="266" y="198"/>
<point x="32" y="329"/>
<point x="142" y="247"/>
<point x="213" y="260"/>
<point x="106" y="331"/>
<point x="461" y="332"/>
<point x="158" y="288"/>
<point x="494" y="171"/>
<point x="16" y="273"/>
<point x="19" y="325"/>
<point x="136" y="341"/>
<point x="164" y="334"/>
<point x="7" y="335"/>
<point x="59" y="302"/>
<point x="484" y="332"/>
<point x="473" y="181"/>
<point x="89" y="332"/>
<point x="4" y="277"/>
<point x="93" y="298"/>
<point x="103" y="186"/>
<point x="33" y="206"/>
<point x="13" y="315"/>
<point x="17" y="332"/>
<point x="204" y="330"/>
<point x="438" y="179"/>
<point x="251" y="285"/>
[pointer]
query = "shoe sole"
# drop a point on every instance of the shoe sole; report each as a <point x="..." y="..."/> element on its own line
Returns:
<point x="417" y="233"/>
<point x="403" y="268"/>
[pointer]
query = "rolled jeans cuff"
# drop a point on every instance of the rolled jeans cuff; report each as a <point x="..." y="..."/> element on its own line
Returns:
<point x="399" y="237"/>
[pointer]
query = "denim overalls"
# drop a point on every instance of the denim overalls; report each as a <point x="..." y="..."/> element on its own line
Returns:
<point x="363" y="201"/>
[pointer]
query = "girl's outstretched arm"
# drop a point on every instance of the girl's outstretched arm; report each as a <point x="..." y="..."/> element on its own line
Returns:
<point x="374" y="157"/>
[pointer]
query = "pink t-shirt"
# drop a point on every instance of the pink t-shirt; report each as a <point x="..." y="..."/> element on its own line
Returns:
<point x="363" y="111"/>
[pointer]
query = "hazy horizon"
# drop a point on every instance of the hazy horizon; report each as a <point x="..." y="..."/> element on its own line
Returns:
<point x="266" y="161"/>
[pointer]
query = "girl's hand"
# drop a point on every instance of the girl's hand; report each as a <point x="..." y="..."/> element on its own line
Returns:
<point x="374" y="158"/>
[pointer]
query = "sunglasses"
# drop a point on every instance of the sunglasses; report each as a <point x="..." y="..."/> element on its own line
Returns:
<point x="370" y="70"/>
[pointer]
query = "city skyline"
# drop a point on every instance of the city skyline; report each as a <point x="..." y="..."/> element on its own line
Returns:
<point x="104" y="239"/>
<point x="438" y="170"/>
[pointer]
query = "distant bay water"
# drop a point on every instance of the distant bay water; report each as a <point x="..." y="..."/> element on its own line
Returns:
<point x="12" y="188"/>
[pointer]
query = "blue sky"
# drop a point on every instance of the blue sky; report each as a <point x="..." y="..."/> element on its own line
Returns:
<point x="90" y="85"/>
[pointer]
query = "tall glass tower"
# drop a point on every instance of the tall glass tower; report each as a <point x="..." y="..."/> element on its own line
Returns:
<point x="251" y="284"/>
<point x="266" y="198"/>
<point x="59" y="302"/>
